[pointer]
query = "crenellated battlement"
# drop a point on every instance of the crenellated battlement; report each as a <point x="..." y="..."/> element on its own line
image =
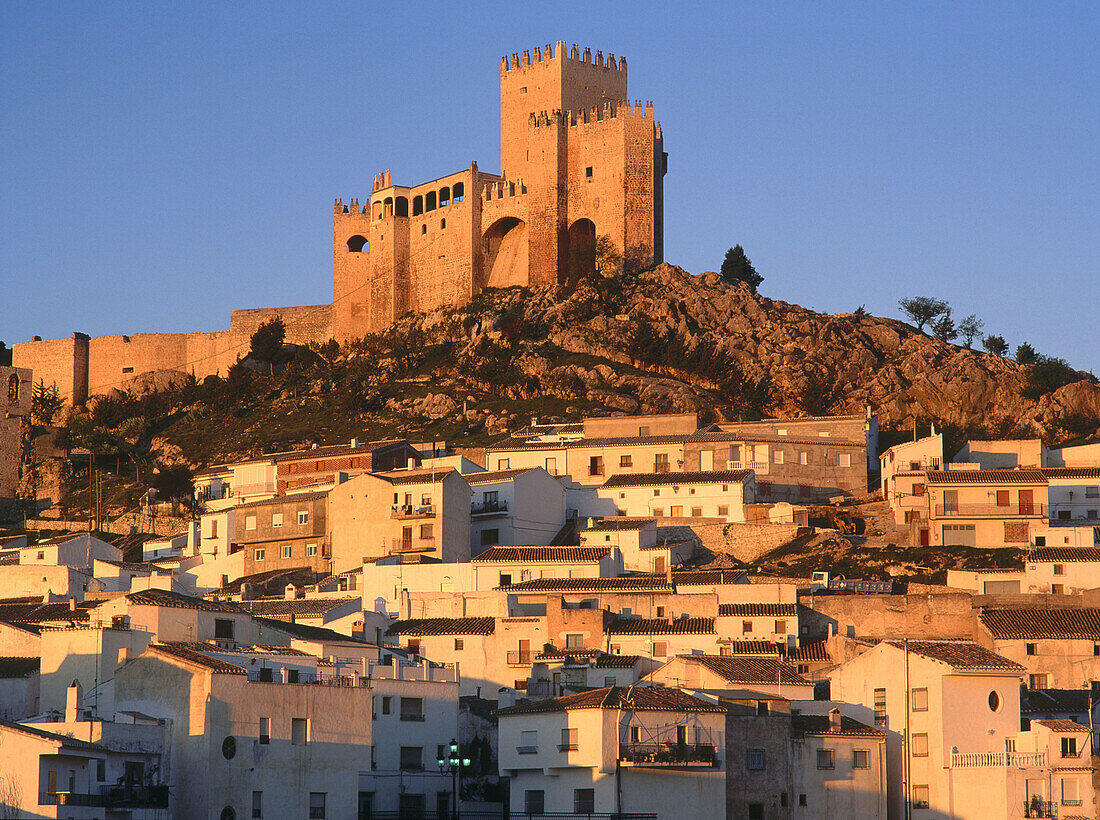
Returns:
<point x="503" y="189"/>
<point x="546" y="54"/>
<point x="608" y="111"/>
<point x="381" y="181"/>
<point x="352" y="207"/>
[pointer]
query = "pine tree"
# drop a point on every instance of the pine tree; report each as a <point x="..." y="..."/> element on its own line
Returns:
<point x="737" y="267"/>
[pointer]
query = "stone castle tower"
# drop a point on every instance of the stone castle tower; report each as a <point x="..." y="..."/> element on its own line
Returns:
<point x="578" y="161"/>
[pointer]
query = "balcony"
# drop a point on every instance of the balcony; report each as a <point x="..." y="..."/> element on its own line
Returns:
<point x="404" y="511"/>
<point x="991" y="511"/>
<point x="661" y="467"/>
<point x="489" y="508"/>
<point x="527" y="750"/>
<point x="1038" y="807"/>
<point x="669" y="754"/>
<point x="568" y="747"/>
<point x="401" y="545"/>
<point x="758" y="467"/>
<point x="988" y="760"/>
<point x="135" y="797"/>
<point x="522" y="658"/>
<point x="415" y="716"/>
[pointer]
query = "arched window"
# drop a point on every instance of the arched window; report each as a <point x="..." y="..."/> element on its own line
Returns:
<point x="377" y="211"/>
<point x="358" y="244"/>
<point x="418" y="205"/>
<point x="443" y="223"/>
<point x="402" y="206"/>
<point x="388" y="202"/>
<point x="459" y="192"/>
<point x="429" y="201"/>
<point x="444" y="197"/>
<point x="13" y="389"/>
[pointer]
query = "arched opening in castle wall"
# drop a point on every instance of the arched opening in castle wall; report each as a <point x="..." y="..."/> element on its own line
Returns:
<point x="581" y="249"/>
<point x="358" y="244"/>
<point x="444" y="197"/>
<point x="505" y="250"/>
<point x="459" y="192"/>
<point x="418" y="205"/>
<point x="401" y="206"/>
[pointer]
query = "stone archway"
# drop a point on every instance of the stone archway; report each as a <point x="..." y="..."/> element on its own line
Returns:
<point x="505" y="250"/>
<point x="580" y="257"/>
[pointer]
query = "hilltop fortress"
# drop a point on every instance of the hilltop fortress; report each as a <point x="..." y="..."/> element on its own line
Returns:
<point x="578" y="161"/>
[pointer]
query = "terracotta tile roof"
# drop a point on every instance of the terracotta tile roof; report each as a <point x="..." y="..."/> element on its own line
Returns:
<point x="1064" y="555"/>
<point x="1048" y="701"/>
<point x="301" y="607"/>
<point x="1058" y="624"/>
<point x="266" y="649"/>
<point x="397" y="477"/>
<point x="336" y="450"/>
<point x="748" y="669"/>
<point x="34" y="611"/>
<point x="1071" y="472"/>
<point x="279" y="500"/>
<point x="663" y="479"/>
<point x="134" y="566"/>
<point x="986" y="477"/>
<point x="810" y="653"/>
<point x="819" y="725"/>
<point x="601" y="441"/>
<point x="296" y="575"/>
<point x="19" y="667"/>
<point x="64" y="740"/>
<point x="162" y="597"/>
<point x="605" y="661"/>
<point x="660" y="626"/>
<point x="184" y="652"/>
<point x="751" y="647"/>
<point x="584" y="657"/>
<point x="307" y="631"/>
<point x="757" y="610"/>
<point x="620" y="524"/>
<point x="625" y="583"/>
<point x="772" y="438"/>
<point x="1062" y="725"/>
<point x="542" y="555"/>
<point x="963" y="656"/>
<point x="625" y="698"/>
<point x="444" y="626"/>
<point x="707" y="577"/>
<point x="495" y="476"/>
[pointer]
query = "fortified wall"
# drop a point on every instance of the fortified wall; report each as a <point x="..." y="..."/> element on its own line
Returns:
<point x="579" y="161"/>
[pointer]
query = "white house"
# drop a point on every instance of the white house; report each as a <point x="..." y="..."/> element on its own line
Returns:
<point x="518" y="506"/>
<point x="716" y="494"/>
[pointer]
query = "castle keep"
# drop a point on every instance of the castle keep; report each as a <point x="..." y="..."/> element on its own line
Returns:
<point x="579" y="160"/>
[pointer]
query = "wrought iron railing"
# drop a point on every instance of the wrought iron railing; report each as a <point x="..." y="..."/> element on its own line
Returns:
<point x="669" y="754"/>
<point x="989" y="510"/>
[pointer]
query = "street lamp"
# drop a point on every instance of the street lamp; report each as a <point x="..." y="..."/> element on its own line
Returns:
<point x="453" y="765"/>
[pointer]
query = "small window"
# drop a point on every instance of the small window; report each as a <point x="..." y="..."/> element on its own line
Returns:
<point x="229" y="748"/>
<point x="490" y="537"/>
<point x="101" y="770"/>
<point x="534" y="800"/>
<point x="303" y="517"/>
<point x="1069" y="747"/>
<point x="777" y="456"/>
<point x="696" y="512"/>
<point x="459" y="645"/>
<point x="609" y="680"/>
<point x="265" y="730"/>
<point x="286" y="551"/>
<point x="1092" y="492"/>
<point x="626" y="461"/>
<point x="756" y="811"/>
<point x="427" y="533"/>
<point x="412" y="758"/>
<point x="920" y="797"/>
<point x="412" y="709"/>
<point x="660" y="612"/>
<point x="1059" y="569"/>
<point x="746" y="627"/>
<point x="660" y="649"/>
<point x="387" y="704"/>
<point x="825" y="759"/>
<point x="568" y="740"/>
<point x="803" y="490"/>
<point x="802" y="800"/>
<point x="311" y="550"/>
<point x="918" y="700"/>
<point x="259" y="554"/>
<point x="250" y="522"/>
<point x="880" y="707"/>
<point x="780" y="627"/>
<point x="754" y="760"/>
<point x="861" y="759"/>
<point x="658" y="512"/>
<point x="317" y="805"/>
<point x="845" y="459"/>
<point x="276" y="519"/>
<point x="443" y="224"/>
<point x="257" y="805"/>
<point x="1029" y="648"/>
<point x="588" y="172"/>
<point x="762" y="708"/>
<point x="918" y="745"/>
<point x="803" y="457"/>
<point x="723" y="510"/>
<point x="502" y="463"/>
<point x="1037" y="681"/>
<point x="994" y="701"/>
<point x="584" y="801"/>
<point x="223" y="629"/>
<point x="574" y="641"/>
<point x="299" y="731"/>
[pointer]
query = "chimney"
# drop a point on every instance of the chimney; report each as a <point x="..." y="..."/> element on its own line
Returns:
<point x="834" y="719"/>
<point x="73" y="695"/>
<point x="410" y="464"/>
<point x="355" y="442"/>
<point x="72" y="604"/>
<point x="290" y="593"/>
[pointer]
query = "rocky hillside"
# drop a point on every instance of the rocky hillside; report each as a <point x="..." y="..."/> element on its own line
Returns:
<point x="654" y="342"/>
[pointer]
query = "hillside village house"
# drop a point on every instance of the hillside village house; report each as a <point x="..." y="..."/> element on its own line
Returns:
<point x="732" y="676"/>
<point x="644" y="749"/>
<point x="520" y="506"/>
<point x="566" y="672"/>
<point x="637" y="541"/>
<point x="1058" y="648"/>
<point x="720" y="494"/>
<point x="902" y="470"/>
<point x="1003" y="454"/>
<point x="415" y="514"/>
<point x="500" y="566"/>
<point x="1061" y="570"/>
<point x="20" y="684"/>
<point x="283" y="532"/>
<point x="987" y="508"/>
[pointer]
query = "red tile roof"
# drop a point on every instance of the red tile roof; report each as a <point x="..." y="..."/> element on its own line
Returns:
<point x="748" y="669"/>
<point x="751" y="647"/>
<point x="301" y="607"/>
<point x="332" y="450"/>
<point x="443" y="626"/>
<point x="495" y="476"/>
<point x="625" y="698"/>
<point x="1062" y="725"/>
<point x="1058" y="624"/>
<point x="1071" y="472"/>
<point x="757" y="610"/>
<point x="625" y="583"/>
<point x="820" y="725"/>
<point x="19" y="667"/>
<point x="707" y="577"/>
<point x="660" y="626"/>
<point x="416" y="476"/>
<point x="289" y="499"/>
<point x="512" y="443"/>
<point x="963" y="656"/>
<point x="620" y="524"/>
<point x="543" y="555"/>
<point x="1064" y="555"/>
<point x="185" y="652"/>
<point x="810" y="653"/>
<point x="162" y="597"/>
<point x="664" y="479"/>
<point x="986" y="477"/>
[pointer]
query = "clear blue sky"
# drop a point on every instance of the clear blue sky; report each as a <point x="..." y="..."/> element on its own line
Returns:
<point x="162" y="163"/>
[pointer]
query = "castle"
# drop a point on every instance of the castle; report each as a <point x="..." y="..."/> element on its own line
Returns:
<point x="578" y="161"/>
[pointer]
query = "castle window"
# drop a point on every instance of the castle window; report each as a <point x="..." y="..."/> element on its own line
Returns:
<point x="388" y="203"/>
<point x="444" y="197"/>
<point x="523" y="90"/>
<point x="401" y="205"/>
<point x="443" y="223"/>
<point x="13" y="389"/>
<point x="429" y="201"/>
<point x="424" y="228"/>
<point x="124" y="370"/>
<point x="358" y="244"/>
<point x="459" y="192"/>
<point x="588" y="172"/>
<point x="418" y="205"/>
